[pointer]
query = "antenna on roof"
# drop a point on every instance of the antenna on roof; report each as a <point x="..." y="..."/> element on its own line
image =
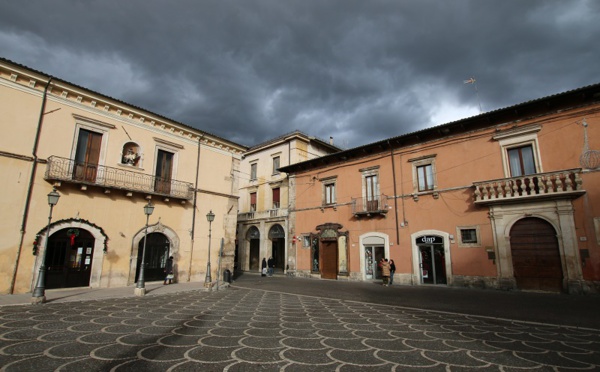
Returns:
<point x="472" y="80"/>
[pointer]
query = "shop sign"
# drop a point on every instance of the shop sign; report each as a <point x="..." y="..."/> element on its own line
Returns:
<point x="429" y="239"/>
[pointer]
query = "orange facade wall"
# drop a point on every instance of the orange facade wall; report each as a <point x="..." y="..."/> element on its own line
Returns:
<point x="459" y="162"/>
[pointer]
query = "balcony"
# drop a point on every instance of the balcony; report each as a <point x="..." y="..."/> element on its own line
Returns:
<point x="361" y="207"/>
<point x="66" y="170"/>
<point x="271" y="213"/>
<point x="552" y="185"/>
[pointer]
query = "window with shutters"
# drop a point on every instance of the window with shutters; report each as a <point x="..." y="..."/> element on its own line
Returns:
<point x="276" y="196"/>
<point x="253" y="171"/>
<point x="252" y="202"/>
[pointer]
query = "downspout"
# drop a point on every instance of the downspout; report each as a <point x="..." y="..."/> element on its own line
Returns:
<point x="395" y="193"/>
<point x="192" y="232"/>
<point x="29" y="187"/>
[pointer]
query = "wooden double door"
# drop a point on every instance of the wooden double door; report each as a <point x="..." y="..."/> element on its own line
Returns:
<point x="329" y="260"/>
<point x="536" y="255"/>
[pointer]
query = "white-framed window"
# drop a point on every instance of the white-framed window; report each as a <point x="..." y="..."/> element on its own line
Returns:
<point x="329" y="190"/>
<point x="253" y="171"/>
<point x="424" y="177"/>
<point x="370" y="189"/>
<point x="89" y="147"/>
<point x="468" y="236"/>
<point x="253" y="202"/>
<point x="276" y="197"/>
<point x="166" y="155"/>
<point x="276" y="164"/>
<point x="520" y="150"/>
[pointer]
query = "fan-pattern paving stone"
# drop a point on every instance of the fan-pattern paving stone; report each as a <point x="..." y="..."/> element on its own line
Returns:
<point x="252" y="330"/>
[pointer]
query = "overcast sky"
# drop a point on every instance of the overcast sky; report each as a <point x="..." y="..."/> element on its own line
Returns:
<point x="359" y="71"/>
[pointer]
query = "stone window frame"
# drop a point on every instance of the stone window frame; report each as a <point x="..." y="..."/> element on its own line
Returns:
<point x="420" y="162"/>
<point x="329" y="182"/>
<point x="519" y="137"/>
<point x="459" y="238"/>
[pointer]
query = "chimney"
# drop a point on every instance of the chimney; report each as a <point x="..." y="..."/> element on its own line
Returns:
<point x="331" y="140"/>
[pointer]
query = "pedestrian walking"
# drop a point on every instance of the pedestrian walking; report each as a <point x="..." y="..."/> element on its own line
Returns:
<point x="385" y="271"/>
<point x="392" y="270"/>
<point x="263" y="267"/>
<point x="169" y="271"/>
<point x="271" y="266"/>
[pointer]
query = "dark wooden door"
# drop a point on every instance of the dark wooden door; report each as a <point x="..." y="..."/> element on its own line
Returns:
<point x="329" y="260"/>
<point x="87" y="156"/>
<point x="164" y="170"/>
<point x="535" y="255"/>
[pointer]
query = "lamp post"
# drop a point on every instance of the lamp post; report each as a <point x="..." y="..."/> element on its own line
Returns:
<point x="140" y="288"/>
<point x="39" y="293"/>
<point x="210" y="217"/>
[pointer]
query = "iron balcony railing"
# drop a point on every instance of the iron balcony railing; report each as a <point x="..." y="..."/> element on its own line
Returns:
<point x="377" y="204"/>
<point x="247" y="216"/>
<point x="67" y="170"/>
<point x="565" y="183"/>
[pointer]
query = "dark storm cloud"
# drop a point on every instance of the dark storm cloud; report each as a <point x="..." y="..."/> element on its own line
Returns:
<point x="359" y="71"/>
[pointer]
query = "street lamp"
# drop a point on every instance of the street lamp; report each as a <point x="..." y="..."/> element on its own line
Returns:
<point x="140" y="288"/>
<point x="39" y="293"/>
<point x="210" y="217"/>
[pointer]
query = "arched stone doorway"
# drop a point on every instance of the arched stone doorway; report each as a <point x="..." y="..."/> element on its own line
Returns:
<point x="159" y="236"/>
<point x="158" y="249"/>
<point x="76" y="251"/>
<point x="253" y="238"/>
<point x="277" y="237"/>
<point x="69" y="258"/>
<point x="536" y="255"/>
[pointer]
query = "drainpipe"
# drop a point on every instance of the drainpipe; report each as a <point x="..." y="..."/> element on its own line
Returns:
<point x="192" y="232"/>
<point x="29" y="187"/>
<point x="395" y="193"/>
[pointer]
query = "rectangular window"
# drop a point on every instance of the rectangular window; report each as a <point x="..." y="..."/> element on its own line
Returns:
<point x="330" y="193"/>
<point x="276" y="201"/>
<point x="87" y="155"/>
<point x="164" y="169"/>
<point x="276" y="165"/>
<point x="253" y="168"/>
<point x="468" y="236"/>
<point x="425" y="177"/>
<point x="521" y="161"/>
<point x="372" y="192"/>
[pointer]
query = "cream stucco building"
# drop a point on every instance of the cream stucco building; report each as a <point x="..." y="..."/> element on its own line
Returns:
<point x="263" y="226"/>
<point x="106" y="159"/>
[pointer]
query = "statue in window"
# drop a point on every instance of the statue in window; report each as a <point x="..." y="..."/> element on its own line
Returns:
<point x="130" y="158"/>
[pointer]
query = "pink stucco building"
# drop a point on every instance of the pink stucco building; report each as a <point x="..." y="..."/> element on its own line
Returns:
<point x="507" y="199"/>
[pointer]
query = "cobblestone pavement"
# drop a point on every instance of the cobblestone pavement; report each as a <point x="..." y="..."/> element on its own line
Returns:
<point x="241" y="329"/>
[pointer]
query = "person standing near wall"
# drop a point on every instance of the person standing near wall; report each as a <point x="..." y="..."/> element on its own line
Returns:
<point x="385" y="271"/>
<point x="169" y="270"/>
<point x="392" y="270"/>
<point x="263" y="267"/>
<point x="271" y="264"/>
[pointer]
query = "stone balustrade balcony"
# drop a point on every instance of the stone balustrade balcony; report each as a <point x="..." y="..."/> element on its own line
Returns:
<point x="68" y="170"/>
<point x="258" y="215"/>
<point x="550" y="185"/>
